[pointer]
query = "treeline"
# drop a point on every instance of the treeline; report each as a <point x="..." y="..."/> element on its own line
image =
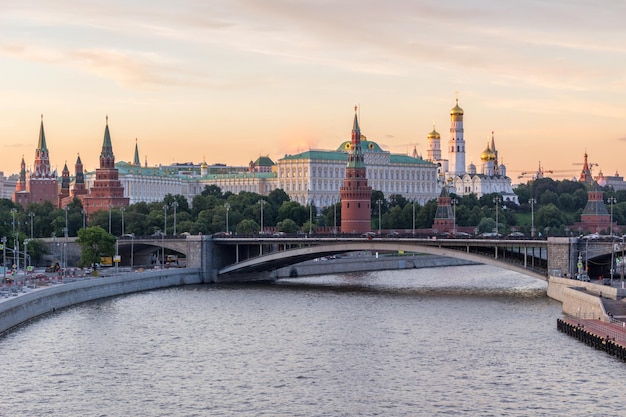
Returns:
<point x="558" y="204"/>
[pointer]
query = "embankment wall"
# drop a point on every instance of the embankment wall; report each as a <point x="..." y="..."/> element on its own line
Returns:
<point x="26" y="306"/>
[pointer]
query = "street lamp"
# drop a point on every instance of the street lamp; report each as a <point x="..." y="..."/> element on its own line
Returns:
<point x="165" y="219"/>
<point x="335" y="217"/>
<point x="4" y="258"/>
<point x="84" y="213"/>
<point x="132" y="249"/>
<point x="227" y="207"/>
<point x="262" y="203"/>
<point x="496" y="201"/>
<point x="532" y="202"/>
<point x="13" y="212"/>
<point x="454" y="202"/>
<point x="110" y="207"/>
<point x="612" y="200"/>
<point x="26" y="241"/>
<point x="175" y="205"/>
<point x="413" y="230"/>
<point x="379" y="202"/>
<point x="310" y="217"/>
<point x="32" y="216"/>
<point x="122" y="209"/>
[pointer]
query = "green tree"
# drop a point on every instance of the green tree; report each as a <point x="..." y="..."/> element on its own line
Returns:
<point x="247" y="227"/>
<point x="95" y="242"/>
<point x="287" y="226"/>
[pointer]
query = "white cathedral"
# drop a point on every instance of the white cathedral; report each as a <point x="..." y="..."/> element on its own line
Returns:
<point x="451" y="172"/>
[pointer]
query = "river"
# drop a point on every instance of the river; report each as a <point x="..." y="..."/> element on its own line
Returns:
<point x="471" y="340"/>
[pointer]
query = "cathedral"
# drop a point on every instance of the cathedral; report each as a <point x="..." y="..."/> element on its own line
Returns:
<point x="451" y="172"/>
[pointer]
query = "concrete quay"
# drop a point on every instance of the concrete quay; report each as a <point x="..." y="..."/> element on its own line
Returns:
<point x="364" y="263"/>
<point x="19" y="309"/>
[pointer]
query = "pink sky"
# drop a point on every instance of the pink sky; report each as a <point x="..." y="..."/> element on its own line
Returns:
<point x="230" y="80"/>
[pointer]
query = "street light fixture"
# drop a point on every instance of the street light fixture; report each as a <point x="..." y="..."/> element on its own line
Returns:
<point x="164" y="218"/>
<point x="175" y="205"/>
<point x="227" y="207"/>
<point x="413" y="230"/>
<point x="132" y="249"/>
<point x="262" y="203"/>
<point x="310" y="217"/>
<point x="84" y="213"/>
<point x="532" y="202"/>
<point x="4" y="258"/>
<point x="110" y="207"/>
<point x="611" y="201"/>
<point x="454" y="202"/>
<point x="335" y="217"/>
<point x="122" y="209"/>
<point x="496" y="201"/>
<point x="32" y="217"/>
<point x="379" y="202"/>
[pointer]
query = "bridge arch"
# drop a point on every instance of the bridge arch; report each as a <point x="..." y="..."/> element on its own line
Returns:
<point x="279" y="259"/>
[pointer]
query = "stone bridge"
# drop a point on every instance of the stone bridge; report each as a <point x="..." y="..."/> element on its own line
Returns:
<point x="232" y="258"/>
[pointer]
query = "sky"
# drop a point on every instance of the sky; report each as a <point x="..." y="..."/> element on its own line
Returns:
<point x="227" y="81"/>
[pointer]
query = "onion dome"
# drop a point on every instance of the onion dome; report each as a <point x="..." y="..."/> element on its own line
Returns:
<point x="487" y="155"/>
<point x="471" y="169"/>
<point x="456" y="110"/>
<point x="434" y="134"/>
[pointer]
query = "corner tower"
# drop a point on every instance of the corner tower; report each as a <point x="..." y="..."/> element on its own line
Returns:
<point x="356" y="195"/>
<point x="456" y="145"/>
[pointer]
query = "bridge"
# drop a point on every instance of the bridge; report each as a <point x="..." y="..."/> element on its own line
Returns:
<point x="232" y="258"/>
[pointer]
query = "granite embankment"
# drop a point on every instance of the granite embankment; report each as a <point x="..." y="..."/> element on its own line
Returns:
<point x="18" y="309"/>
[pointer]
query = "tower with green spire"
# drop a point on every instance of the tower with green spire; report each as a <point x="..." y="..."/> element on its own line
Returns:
<point x="107" y="191"/>
<point x="42" y="183"/>
<point x="355" y="194"/>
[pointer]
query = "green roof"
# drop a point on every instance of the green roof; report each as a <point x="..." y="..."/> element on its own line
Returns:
<point x="264" y="161"/>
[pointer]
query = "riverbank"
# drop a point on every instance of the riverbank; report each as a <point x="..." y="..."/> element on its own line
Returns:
<point x="26" y="306"/>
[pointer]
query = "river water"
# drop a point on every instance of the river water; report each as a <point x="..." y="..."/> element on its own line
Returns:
<point x="472" y="340"/>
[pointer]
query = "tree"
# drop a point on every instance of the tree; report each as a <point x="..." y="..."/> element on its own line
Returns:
<point x="287" y="226"/>
<point x="248" y="227"/>
<point x="95" y="242"/>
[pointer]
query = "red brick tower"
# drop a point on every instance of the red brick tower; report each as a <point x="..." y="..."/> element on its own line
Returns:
<point x="107" y="190"/>
<point x="356" y="195"/>
<point x="444" y="216"/>
<point x="79" y="179"/>
<point x="42" y="185"/>
<point x="64" y="193"/>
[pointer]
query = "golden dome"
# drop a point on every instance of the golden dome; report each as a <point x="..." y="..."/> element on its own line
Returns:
<point x="456" y="110"/>
<point x="434" y="135"/>
<point x="487" y="155"/>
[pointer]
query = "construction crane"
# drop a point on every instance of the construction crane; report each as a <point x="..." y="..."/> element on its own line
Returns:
<point x="540" y="173"/>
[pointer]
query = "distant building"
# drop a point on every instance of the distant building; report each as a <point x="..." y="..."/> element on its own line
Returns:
<point x="595" y="217"/>
<point x="451" y="172"/>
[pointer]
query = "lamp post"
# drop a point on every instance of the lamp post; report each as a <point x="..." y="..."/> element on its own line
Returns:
<point x="132" y="248"/>
<point x="122" y="209"/>
<point x="162" y="250"/>
<point x="310" y="217"/>
<point x="84" y="213"/>
<point x="165" y="218"/>
<point x="335" y="218"/>
<point x="227" y="207"/>
<point x="4" y="258"/>
<point x="611" y="201"/>
<point x="622" y="263"/>
<point x="532" y="202"/>
<point x="413" y="230"/>
<point x="454" y="202"/>
<point x="379" y="202"/>
<point x="13" y="213"/>
<point x="25" y="254"/>
<point x="110" y="207"/>
<point x="31" y="215"/>
<point x="175" y="205"/>
<point x="262" y="203"/>
<point x="496" y="201"/>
